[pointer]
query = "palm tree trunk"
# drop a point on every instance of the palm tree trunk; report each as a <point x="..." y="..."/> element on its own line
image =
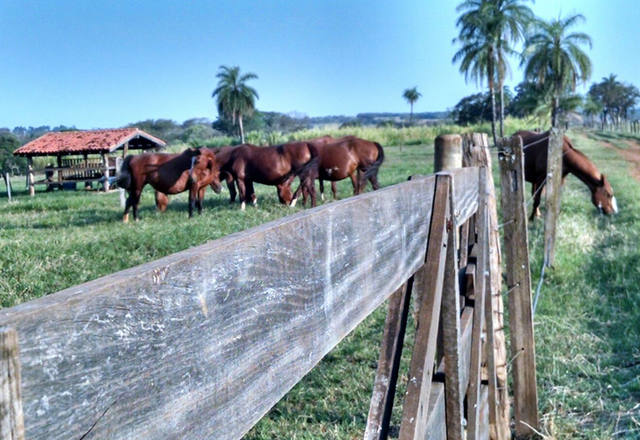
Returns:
<point x="493" y="98"/>
<point x="241" y="128"/>
<point x="411" y="114"/>
<point x="501" y="108"/>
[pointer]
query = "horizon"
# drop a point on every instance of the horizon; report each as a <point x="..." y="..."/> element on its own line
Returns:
<point x="99" y="66"/>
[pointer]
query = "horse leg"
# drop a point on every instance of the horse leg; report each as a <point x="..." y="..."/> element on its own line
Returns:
<point x="135" y="201"/>
<point x="536" y="190"/>
<point x="242" y="191"/>
<point x="355" y="181"/>
<point x="334" y="190"/>
<point x="251" y="193"/>
<point x="374" y="181"/>
<point x="232" y="189"/>
<point x="200" y="199"/>
<point x="161" y="201"/>
<point x="321" y="189"/>
<point x="193" y="192"/>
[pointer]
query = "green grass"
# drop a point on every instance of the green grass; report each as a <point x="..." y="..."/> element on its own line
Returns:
<point x="587" y="323"/>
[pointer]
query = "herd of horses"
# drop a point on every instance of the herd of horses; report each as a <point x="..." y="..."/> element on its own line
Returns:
<point x="323" y="159"/>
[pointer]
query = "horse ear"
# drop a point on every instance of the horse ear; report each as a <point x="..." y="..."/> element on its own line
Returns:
<point x="602" y="179"/>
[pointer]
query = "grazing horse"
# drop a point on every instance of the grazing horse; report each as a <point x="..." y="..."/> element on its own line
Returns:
<point x="223" y="156"/>
<point x="191" y="170"/>
<point x="573" y="161"/>
<point x="338" y="159"/>
<point x="273" y="165"/>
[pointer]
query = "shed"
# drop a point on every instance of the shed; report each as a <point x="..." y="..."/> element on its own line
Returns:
<point x="72" y="150"/>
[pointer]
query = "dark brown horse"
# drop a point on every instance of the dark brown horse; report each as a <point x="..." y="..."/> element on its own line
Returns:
<point x="338" y="159"/>
<point x="573" y="161"/>
<point x="273" y="165"/>
<point x="191" y="170"/>
<point x="223" y="156"/>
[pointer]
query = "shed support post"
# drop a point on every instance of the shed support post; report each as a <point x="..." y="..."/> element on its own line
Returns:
<point x="125" y="150"/>
<point x="30" y="178"/>
<point x="105" y="164"/>
<point x="11" y="418"/>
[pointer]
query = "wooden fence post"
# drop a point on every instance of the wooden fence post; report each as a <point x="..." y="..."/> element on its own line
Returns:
<point x="553" y="190"/>
<point x="11" y="418"/>
<point x="429" y="278"/>
<point x="448" y="152"/>
<point x="519" y="284"/>
<point x="384" y="386"/>
<point x="476" y="153"/>
<point x="475" y="375"/>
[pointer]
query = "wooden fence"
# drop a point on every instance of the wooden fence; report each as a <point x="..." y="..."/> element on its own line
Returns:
<point x="202" y="343"/>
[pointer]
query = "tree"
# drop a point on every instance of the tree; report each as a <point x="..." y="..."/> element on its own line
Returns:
<point x="553" y="58"/>
<point x="487" y="27"/>
<point x="615" y="98"/>
<point x="476" y="108"/>
<point x="411" y="95"/>
<point x="234" y="98"/>
<point x="8" y="144"/>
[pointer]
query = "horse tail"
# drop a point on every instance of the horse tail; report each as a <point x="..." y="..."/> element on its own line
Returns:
<point x="123" y="179"/>
<point x="373" y="169"/>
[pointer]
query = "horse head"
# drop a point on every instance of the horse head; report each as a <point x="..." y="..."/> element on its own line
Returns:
<point x="213" y="168"/>
<point x="603" y="198"/>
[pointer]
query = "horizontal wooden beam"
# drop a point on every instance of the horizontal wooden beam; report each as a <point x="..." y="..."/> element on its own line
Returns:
<point x="200" y="344"/>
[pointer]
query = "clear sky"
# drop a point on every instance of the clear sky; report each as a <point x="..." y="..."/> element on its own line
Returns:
<point x="105" y="63"/>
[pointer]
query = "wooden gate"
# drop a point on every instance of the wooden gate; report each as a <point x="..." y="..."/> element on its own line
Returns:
<point x="202" y="343"/>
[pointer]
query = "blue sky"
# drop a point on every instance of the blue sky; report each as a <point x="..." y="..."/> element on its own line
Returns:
<point x="107" y="63"/>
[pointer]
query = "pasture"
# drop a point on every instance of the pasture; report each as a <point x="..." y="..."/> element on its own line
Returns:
<point x="588" y="341"/>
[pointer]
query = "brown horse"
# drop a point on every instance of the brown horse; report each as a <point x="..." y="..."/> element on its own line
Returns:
<point x="223" y="156"/>
<point x="573" y="161"/>
<point x="273" y="165"/>
<point x="338" y="159"/>
<point x="191" y="170"/>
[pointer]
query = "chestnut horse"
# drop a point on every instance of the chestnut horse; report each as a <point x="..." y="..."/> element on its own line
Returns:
<point x="338" y="159"/>
<point x="223" y="156"/>
<point x="273" y="165"/>
<point x="191" y="170"/>
<point x="573" y="161"/>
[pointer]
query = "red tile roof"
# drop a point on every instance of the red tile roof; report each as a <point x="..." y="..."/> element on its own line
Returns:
<point x="79" y="142"/>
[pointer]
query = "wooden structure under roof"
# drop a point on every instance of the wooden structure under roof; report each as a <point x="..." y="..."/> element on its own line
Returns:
<point x="73" y="148"/>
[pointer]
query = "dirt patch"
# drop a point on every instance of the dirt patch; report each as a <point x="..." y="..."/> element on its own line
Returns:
<point x="630" y="154"/>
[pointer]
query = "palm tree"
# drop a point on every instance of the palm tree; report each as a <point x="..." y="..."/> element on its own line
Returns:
<point x="234" y="98"/>
<point x="487" y="28"/>
<point x="553" y="58"/>
<point x="411" y="95"/>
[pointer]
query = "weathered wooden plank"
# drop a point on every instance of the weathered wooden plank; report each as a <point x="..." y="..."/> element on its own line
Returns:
<point x="476" y="153"/>
<point x="465" y="192"/>
<point x="519" y="283"/>
<point x="384" y="386"/>
<point x="473" y="392"/>
<point x="428" y="281"/>
<point x="451" y="339"/>
<point x="11" y="418"/>
<point x="179" y="347"/>
<point x="553" y="190"/>
<point x="436" y="423"/>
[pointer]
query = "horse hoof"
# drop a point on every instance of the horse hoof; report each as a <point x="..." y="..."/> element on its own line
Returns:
<point x="322" y="197"/>
<point x="125" y="218"/>
<point x="243" y="206"/>
<point x="293" y="203"/>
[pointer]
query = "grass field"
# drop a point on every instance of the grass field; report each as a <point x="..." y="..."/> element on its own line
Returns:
<point x="587" y="323"/>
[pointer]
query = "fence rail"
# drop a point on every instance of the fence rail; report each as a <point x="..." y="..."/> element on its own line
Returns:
<point x="202" y="343"/>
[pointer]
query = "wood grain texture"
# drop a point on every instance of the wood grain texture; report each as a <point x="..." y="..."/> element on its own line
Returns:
<point x="465" y="193"/>
<point x="384" y="385"/>
<point x="180" y="347"/>
<point x="479" y="287"/>
<point x="436" y="423"/>
<point x="553" y="190"/>
<point x="519" y="284"/>
<point x="11" y="418"/>
<point x="476" y="153"/>
<point x="454" y="391"/>
<point x="429" y="280"/>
